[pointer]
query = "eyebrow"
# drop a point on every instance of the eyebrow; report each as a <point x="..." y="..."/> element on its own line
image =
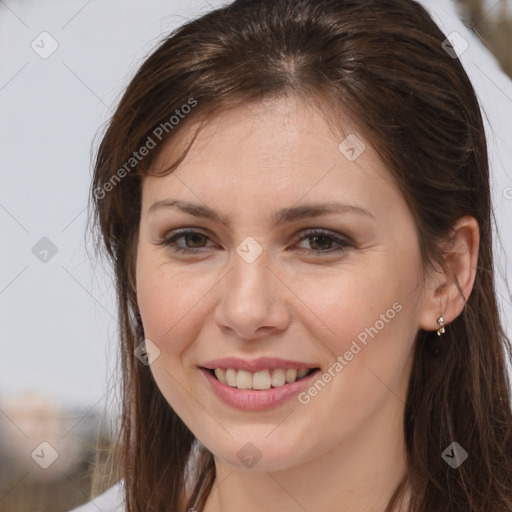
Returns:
<point x="288" y="214"/>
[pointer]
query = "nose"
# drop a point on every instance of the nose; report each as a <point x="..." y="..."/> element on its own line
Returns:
<point x="253" y="301"/>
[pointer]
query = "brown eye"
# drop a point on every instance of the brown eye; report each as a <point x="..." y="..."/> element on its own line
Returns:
<point x="193" y="240"/>
<point x="322" y="242"/>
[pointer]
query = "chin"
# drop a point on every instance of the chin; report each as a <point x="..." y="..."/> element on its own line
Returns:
<point x="259" y="455"/>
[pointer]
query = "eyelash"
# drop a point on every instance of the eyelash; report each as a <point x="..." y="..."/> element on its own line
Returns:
<point x="343" y="244"/>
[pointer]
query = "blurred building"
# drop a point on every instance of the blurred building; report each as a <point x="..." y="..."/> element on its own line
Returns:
<point x="47" y="454"/>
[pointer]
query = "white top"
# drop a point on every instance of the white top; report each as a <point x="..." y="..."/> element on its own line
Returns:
<point x="110" y="501"/>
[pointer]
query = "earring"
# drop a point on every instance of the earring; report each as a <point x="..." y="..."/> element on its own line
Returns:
<point x="441" y="329"/>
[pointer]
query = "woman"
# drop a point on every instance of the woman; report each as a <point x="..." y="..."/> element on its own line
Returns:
<point x="295" y="198"/>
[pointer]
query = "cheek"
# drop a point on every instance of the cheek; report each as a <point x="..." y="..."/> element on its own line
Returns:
<point x="171" y="300"/>
<point x="170" y="303"/>
<point x="366" y="321"/>
<point x="372" y="306"/>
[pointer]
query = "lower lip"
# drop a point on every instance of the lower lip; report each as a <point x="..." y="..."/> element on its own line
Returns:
<point x="253" y="400"/>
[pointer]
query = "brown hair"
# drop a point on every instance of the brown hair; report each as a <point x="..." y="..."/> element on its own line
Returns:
<point x="382" y="63"/>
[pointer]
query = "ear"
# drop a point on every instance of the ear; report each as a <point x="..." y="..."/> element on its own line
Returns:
<point x="448" y="286"/>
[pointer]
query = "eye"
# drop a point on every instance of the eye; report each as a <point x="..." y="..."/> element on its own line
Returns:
<point x="324" y="242"/>
<point x="193" y="240"/>
<point x="321" y="242"/>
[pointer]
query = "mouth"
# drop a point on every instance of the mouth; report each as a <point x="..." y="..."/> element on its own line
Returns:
<point x="261" y="380"/>
<point x="259" y="385"/>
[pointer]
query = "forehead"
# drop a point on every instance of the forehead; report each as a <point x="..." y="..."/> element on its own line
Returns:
<point x="277" y="148"/>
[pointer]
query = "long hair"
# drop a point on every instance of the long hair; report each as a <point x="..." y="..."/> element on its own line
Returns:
<point x="382" y="64"/>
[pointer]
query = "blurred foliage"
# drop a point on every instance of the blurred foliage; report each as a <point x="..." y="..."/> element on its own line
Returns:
<point x="491" y="20"/>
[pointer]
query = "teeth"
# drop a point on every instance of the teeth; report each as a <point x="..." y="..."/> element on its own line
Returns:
<point x="291" y="375"/>
<point x="278" y="377"/>
<point x="231" y="377"/>
<point x="264" y="379"/>
<point x="220" y="373"/>
<point x="302" y="373"/>
<point x="261" y="380"/>
<point x="244" y="380"/>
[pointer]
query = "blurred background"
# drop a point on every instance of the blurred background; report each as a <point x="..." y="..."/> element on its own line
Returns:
<point x="63" y="66"/>
<point x="491" y="21"/>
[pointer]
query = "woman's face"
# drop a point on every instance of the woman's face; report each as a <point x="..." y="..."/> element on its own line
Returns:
<point x="333" y="287"/>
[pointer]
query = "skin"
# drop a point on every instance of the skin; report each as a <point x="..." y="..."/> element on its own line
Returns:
<point x="345" y="448"/>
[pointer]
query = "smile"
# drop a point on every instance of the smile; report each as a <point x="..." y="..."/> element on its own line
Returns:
<point x="261" y="380"/>
<point x="259" y="384"/>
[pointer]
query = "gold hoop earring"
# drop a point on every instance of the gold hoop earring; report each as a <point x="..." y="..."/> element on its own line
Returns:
<point x="441" y="329"/>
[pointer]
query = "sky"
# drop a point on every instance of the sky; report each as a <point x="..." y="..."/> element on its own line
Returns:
<point x="63" y="66"/>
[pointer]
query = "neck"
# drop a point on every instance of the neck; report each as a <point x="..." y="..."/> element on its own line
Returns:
<point x="358" y="475"/>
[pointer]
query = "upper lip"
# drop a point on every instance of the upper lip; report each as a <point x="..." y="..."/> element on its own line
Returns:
<point x="255" y="365"/>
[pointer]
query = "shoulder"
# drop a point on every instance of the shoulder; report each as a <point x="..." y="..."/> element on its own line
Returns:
<point x="111" y="500"/>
